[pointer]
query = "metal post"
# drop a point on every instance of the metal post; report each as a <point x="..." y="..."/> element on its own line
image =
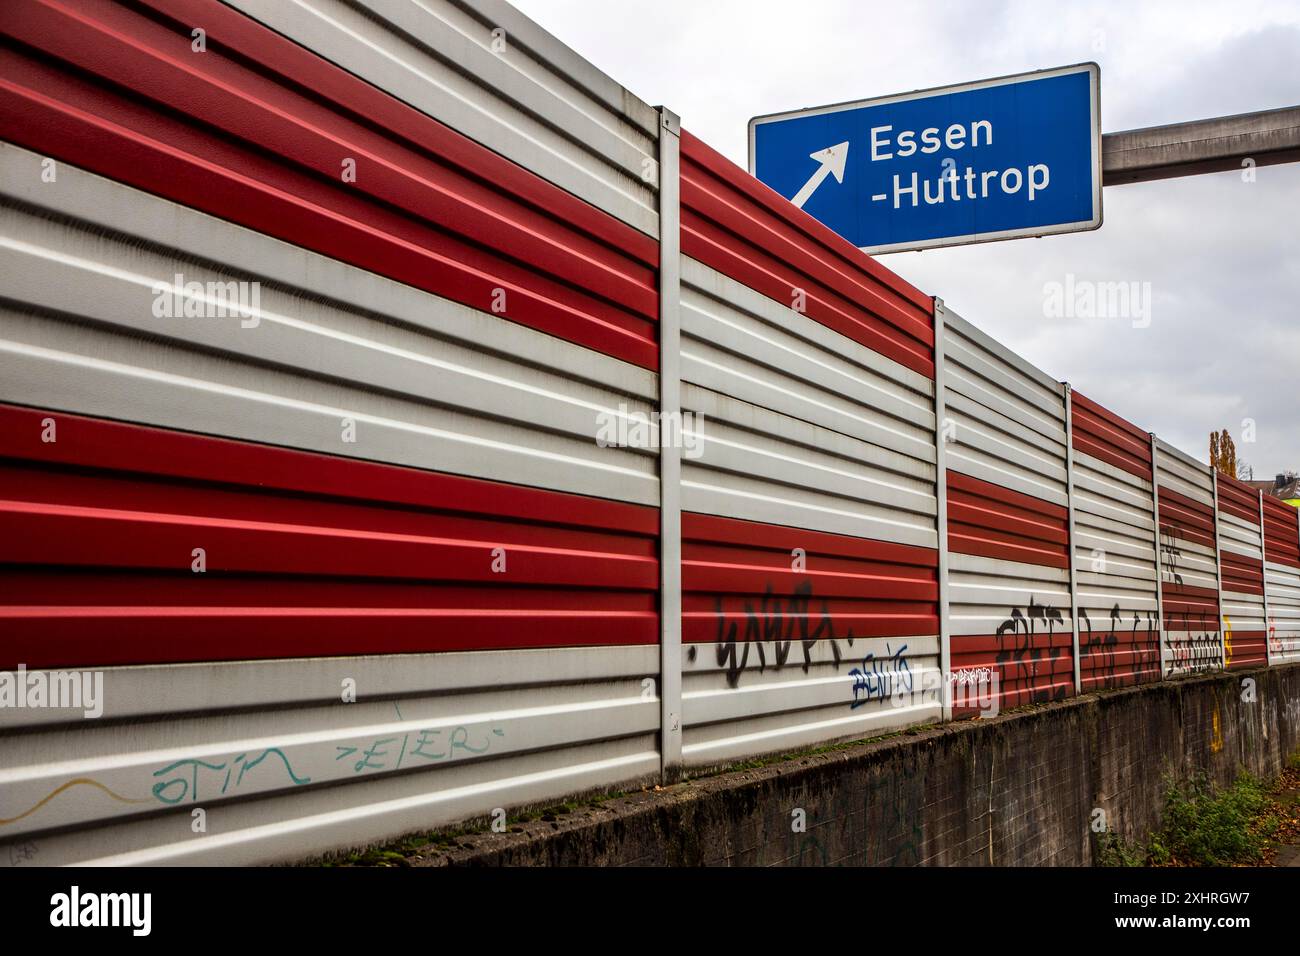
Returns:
<point x="1160" y="575"/>
<point x="941" y="509"/>
<point x="1218" y="569"/>
<point x="1073" y="556"/>
<point x="1263" y="567"/>
<point x="670" y="462"/>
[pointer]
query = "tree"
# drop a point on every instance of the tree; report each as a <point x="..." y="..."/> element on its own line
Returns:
<point x="1223" y="453"/>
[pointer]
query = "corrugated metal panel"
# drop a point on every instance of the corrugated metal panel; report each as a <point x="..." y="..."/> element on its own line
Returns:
<point x="1007" y="417"/>
<point x="398" y="530"/>
<point x="786" y="648"/>
<point x="1241" y="564"/>
<point x="1114" y="549"/>
<point x="306" y="556"/>
<point x="264" y="133"/>
<point x="734" y="224"/>
<point x="808" y="438"/>
<point x="1012" y="619"/>
<point x="996" y="522"/>
<point x="798" y="424"/>
<point x="1281" y="537"/>
<point x="1008" y="524"/>
<point x="467" y="312"/>
<point x="283" y="769"/>
<point x="1282" y="579"/>
<point x="425" y="381"/>
<point x="1189" y="580"/>
<point x="483" y="68"/>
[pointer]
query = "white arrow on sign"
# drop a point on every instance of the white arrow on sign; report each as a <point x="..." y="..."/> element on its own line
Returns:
<point x="832" y="161"/>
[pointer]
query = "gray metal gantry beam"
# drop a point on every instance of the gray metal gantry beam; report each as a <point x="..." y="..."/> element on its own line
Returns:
<point x="1201" y="146"/>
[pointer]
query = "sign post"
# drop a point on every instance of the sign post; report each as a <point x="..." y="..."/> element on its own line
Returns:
<point x="995" y="159"/>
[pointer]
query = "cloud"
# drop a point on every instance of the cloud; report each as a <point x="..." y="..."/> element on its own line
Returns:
<point x="1219" y="254"/>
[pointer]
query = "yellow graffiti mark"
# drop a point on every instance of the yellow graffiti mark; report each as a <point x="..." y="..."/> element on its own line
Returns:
<point x="1216" y="743"/>
<point x="1227" y="641"/>
<point x="86" y="781"/>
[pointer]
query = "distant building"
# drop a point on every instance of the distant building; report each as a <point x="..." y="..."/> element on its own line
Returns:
<point x="1286" y="487"/>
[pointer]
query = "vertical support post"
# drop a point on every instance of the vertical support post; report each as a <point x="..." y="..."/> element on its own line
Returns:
<point x="1263" y="567"/>
<point x="1074" y="571"/>
<point x="670" y="461"/>
<point x="1218" y="570"/>
<point x="1160" y="574"/>
<point x="941" y="509"/>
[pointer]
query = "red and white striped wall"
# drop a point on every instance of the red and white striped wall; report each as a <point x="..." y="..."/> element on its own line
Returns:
<point x="380" y="482"/>
<point x="1004" y="439"/>
<point x="809" y="562"/>
<point x="1241" y="566"/>
<point x="334" y="345"/>
<point x="1189" y="574"/>
<point x="1281" y="579"/>
<point x="1114" y="548"/>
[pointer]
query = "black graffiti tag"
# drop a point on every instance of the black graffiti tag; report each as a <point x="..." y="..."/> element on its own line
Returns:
<point x="780" y="621"/>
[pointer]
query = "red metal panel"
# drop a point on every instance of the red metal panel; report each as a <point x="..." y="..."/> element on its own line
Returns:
<point x="1122" y="649"/>
<point x="256" y="130"/>
<point x="306" y="554"/>
<point x="1032" y="650"/>
<point x="996" y="522"/>
<point x="1184" y="518"/>
<point x="740" y="227"/>
<point x="1246" y="649"/>
<point x="739" y="586"/>
<point x="1189" y="607"/>
<point x="1242" y="574"/>
<point x="1103" y="434"/>
<point x="1238" y="499"/>
<point x="1281" y="534"/>
<point x="1033" y="659"/>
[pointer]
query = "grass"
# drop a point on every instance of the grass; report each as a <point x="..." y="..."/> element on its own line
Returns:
<point x="1240" y="825"/>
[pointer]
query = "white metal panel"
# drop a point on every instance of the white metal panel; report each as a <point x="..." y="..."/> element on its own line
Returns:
<point x="985" y="593"/>
<point x="1189" y="562"/>
<point x="284" y="768"/>
<point x="1007" y="418"/>
<point x="1282" y="583"/>
<point x="1005" y="425"/>
<point x="1194" y="641"/>
<point x="1242" y="611"/>
<point x="798" y="424"/>
<point x="1180" y="472"/>
<point x="802" y="427"/>
<point x="428" y="382"/>
<point x="1115" y="537"/>
<point x="518" y="91"/>
<point x="1241" y="536"/>
<point x="768" y="701"/>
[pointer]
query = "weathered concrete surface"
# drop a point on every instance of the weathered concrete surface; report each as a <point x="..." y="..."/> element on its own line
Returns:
<point x="1019" y="789"/>
<point x="1202" y="146"/>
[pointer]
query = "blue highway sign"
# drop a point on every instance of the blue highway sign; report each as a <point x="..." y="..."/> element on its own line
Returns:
<point x="996" y="159"/>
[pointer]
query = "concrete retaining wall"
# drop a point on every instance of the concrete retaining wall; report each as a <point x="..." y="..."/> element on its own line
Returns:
<point x="1020" y="789"/>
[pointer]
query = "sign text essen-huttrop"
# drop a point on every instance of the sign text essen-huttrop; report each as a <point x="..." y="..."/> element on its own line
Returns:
<point x="997" y="159"/>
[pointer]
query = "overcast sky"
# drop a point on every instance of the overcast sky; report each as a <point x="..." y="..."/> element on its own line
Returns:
<point x="1222" y="256"/>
